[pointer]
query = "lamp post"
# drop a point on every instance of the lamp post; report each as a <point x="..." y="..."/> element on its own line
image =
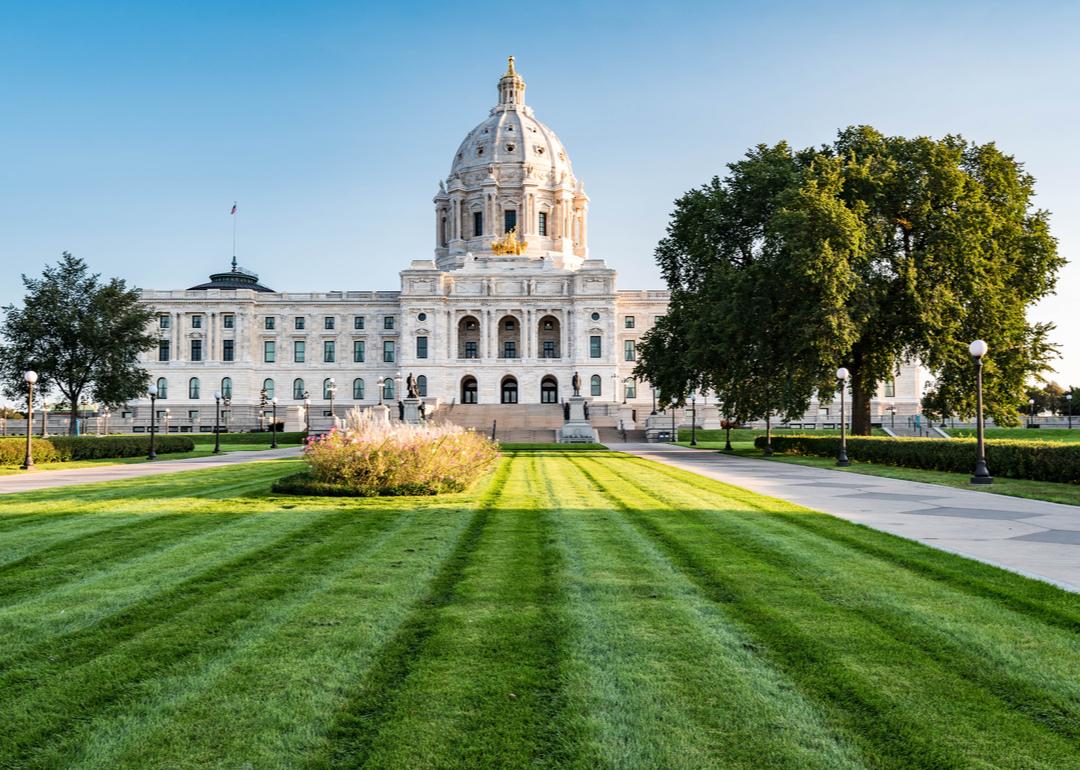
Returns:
<point x="273" y="422"/>
<point x="982" y="475"/>
<point x="30" y="377"/>
<point x="382" y="389"/>
<point x="841" y="456"/>
<point x="674" y="433"/>
<point x="1031" y="413"/>
<point x="217" y="422"/>
<point x="152" y="392"/>
<point x="892" y="414"/>
<point x="693" y="420"/>
<point x="44" y="419"/>
<point x="331" y="390"/>
<point x="727" y="434"/>
<point x="653" y="400"/>
<point x="614" y="388"/>
<point x="105" y="411"/>
<point x="168" y="414"/>
<point x="768" y="434"/>
<point x="307" y="414"/>
<point x="1068" y="408"/>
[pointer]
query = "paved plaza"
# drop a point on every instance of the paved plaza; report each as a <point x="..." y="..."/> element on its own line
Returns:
<point x="1032" y="537"/>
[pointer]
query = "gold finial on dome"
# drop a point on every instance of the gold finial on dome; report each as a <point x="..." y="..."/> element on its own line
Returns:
<point x="510" y="72"/>
<point x="511" y="85"/>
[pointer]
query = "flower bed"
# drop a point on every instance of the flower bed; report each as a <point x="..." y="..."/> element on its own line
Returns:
<point x="367" y="458"/>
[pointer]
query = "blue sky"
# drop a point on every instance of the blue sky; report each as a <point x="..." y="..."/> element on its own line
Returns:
<point x="129" y="129"/>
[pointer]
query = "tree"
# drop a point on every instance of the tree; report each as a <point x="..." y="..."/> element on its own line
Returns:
<point x="81" y="335"/>
<point x="867" y="253"/>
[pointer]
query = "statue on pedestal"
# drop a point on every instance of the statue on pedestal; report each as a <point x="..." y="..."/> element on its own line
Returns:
<point x="576" y="382"/>
<point x="410" y="387"/>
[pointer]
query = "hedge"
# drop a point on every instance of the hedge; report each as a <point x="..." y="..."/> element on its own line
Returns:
<point x="1035" y="460"/>
<point x="64" y="448"/>
<point x="304" y="483"/>
<point x="259" y="437"/>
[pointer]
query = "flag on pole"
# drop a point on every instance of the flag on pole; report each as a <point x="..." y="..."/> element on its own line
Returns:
<point x="233" y="209"/>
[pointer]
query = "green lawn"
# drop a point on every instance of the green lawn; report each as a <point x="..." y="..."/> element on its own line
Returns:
<point x="1024" y="434"/>
<point x="578" y="610"/>
<point x="201" y="450"/>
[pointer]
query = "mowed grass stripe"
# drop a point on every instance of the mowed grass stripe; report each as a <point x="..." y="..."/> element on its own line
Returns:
<point x="270" y="694"/>
<point x="1033" y="598"/>
<point x="1031" y="664"/>
<point x="902" y="707"/>
<point x="659" y="677"/>
<point x="88" y="601"/>
<point x="75" y="676"/>
<point x="473" y="680"/>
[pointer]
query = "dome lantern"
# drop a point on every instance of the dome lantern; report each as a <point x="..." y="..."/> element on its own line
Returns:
<point x="511" y="86"/>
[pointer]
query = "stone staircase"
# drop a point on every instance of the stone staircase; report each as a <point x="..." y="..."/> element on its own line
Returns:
<point x="609" y="436"/>
<point x="514" y="423"/>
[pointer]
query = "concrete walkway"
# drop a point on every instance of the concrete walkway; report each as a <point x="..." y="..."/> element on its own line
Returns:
<point x="28" y="482"/>
<point x="1034" y="538"/>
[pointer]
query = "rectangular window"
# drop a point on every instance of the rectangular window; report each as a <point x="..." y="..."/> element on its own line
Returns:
<point x="163" y="350"/>
<point x="421" y="347"/>
<point x="549" y="348"/>
<point x="358" y="351"/>
<point x="477" y="224"/>
<point x="890" y="389"/>
<point x="470" y="350"/>
<point x="228" y="322"/>
<point x="164" y="321"/>
<point x="196" y="350"/>
<point x="388" y="322"/>
<point x="594" y="347"/>
<point x="509" y="220"/>
<point x="328" y="351"/>
<point x="228" y="350"/>
<point x="328" y="322"/>
<point x="269" y="322"/>
<point x="268" y="351"/>
<point x="509" y="349"/>
<point x="631" y="389"/>
<point x="299" y="323"/>
<point x="388" y="351"/>
<point x="629" y="350"/>
<point x="299" y="351"/>
<point x="628" y="322"/>
<point x="541" y="226"/>
<point x="358" y="322"/>
<point x="196" y="322"/>
<point x="193" y="415"/>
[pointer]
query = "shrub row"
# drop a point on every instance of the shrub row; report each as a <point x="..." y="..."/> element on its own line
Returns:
<point x="260" y="437"/>
<point x="1035" y="460"/>
<point x="305" y="484"/>
<point x="64" y="448"/>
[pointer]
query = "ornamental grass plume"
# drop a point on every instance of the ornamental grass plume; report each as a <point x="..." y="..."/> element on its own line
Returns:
<point x="376" y="458"/>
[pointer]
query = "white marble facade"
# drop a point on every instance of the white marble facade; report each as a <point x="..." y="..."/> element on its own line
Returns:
<point x="510" y="306"/>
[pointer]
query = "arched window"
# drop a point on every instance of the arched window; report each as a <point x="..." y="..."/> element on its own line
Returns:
<point x="594" y="385"/>
<point x="630" y="387"/>
<point x="468" y="390"/>
<point x="388" y="389"/>
<point x="298" y="389"/>
<point x="358" y="389"/>
<point x="328" y="388"/>
<point x="162" y="387"/>
<point x="549" y="390"/>
<point x="421" y="385"/>
<point x="226" y="387"/>
<point x="268" y="386"/>
<point x="193" y="388"/>
<point x="509" y="391"/>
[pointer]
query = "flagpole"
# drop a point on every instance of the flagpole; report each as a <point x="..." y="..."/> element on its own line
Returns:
<point x="233" y="212"/>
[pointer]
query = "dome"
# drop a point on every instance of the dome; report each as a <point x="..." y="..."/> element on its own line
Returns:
<point x="511" y="173"/>
<point x="237" y="278"/>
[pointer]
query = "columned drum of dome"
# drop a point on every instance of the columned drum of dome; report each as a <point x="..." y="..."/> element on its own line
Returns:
<point x="511" y="174"/>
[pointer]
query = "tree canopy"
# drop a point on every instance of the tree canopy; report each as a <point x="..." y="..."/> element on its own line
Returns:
<point x="865" y="253"/>
<point x="81" y="335"/>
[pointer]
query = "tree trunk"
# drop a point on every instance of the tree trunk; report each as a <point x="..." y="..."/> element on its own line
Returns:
<point x="861" y="393"/>
<point x="74" y="414"/>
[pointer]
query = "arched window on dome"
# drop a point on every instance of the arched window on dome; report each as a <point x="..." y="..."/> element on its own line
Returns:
<point x="444" y="238"/>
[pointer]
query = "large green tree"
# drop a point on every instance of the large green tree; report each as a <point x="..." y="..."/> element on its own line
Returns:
<point x="80" y="334"/>
<point x="866" y="253"/>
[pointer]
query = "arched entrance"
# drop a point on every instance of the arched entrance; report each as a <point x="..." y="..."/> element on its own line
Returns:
<point x="549" y="390"/>
<point x="547" y="336"/>
<point x="509" y="390"/>
<point x="468" y="390"/>
<point x="509" y="337"/>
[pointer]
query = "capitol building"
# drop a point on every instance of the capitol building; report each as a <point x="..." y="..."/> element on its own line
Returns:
<point x="493" y="327"/>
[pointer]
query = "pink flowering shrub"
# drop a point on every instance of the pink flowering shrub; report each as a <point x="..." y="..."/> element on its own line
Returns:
<point x="373" y="458"/>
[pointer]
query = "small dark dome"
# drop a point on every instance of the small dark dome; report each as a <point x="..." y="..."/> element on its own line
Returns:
<point x="237" y="278"/>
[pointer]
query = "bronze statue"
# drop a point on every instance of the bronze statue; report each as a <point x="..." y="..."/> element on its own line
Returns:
<point x="576" y="382"/>
<point x="410" y="386"/>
